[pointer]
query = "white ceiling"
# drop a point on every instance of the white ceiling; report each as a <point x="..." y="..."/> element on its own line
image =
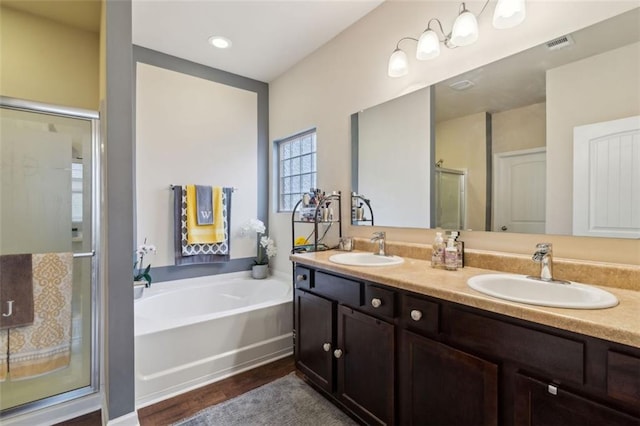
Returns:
<point x="268" y="37"/>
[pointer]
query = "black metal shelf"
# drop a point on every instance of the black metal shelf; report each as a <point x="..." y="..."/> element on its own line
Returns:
<point x="316" y="220"/>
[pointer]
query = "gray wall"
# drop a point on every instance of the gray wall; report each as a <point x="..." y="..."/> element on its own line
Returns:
<point x="118" y="211"/>
<point x="118" y="122"/>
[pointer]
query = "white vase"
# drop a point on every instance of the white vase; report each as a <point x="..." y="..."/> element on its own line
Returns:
<point x="138" y="288"/>
<point x="260" y="272"/>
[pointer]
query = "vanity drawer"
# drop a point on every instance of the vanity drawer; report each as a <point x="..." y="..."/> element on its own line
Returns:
<point x="337" y="288"/>
<point x="379" y="301"/>
<point x="302" y="278"/>
<point x="558" y="357"/>
<point x="623" y="377"/>
<point x="420" y="315"/>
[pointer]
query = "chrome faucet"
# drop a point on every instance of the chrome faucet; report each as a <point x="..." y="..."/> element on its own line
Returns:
<point x="380" y="238"/>
<point x="544" y="256"/>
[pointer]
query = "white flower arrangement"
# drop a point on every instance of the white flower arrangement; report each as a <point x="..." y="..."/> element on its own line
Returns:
<point x="139" y="271"/>
<point x="266" y="246"/>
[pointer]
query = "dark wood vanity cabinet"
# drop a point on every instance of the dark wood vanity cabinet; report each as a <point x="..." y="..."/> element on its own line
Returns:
<point x="540" y="403"/>
<point x="315" y="338"/>
<point x="341" y="349"/>
<point x="365" y="371"/>
<point x="441" y="385"/>
<point x="454" y="364"/>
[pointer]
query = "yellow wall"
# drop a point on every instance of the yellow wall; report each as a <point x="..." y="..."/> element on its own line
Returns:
<point x="462" y="144"/>
<point x="44" y="61"/>
<point x="518" y="129"/>
<point x="349" y="74"/>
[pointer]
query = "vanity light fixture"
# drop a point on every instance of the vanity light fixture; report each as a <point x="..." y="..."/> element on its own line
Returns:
<point x="220" y="42"/>
<point x="508" y="13"/>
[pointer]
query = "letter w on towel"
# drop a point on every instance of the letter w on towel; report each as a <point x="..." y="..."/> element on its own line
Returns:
<point x="204" y="203"/>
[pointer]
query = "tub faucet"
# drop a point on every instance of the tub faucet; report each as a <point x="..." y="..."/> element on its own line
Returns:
<point x="380" y="238"/>
<point x="544" y="256"/>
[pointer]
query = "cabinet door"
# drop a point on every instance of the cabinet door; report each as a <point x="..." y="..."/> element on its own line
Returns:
<point x="539" y="403"/>
<point x="440" y="385"/>
<point x="366" y="366"/>
<point x="314" y="338"/>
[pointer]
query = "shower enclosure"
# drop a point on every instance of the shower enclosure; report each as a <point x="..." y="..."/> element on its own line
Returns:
<point x="48" y="209"/>
<point x="450" y="198"/>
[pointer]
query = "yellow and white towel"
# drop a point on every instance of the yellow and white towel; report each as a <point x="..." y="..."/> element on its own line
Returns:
<point x="45" y="345"/>
<point x="204" y="234"/>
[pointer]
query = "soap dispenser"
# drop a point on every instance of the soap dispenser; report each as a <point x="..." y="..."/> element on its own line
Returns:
<point x="437" y="253"/>
<point x="459" y="247"/>
<point x="451" y="256"/>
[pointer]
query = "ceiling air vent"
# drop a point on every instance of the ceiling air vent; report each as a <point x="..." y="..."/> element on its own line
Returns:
<point x="560" y="42"/>
<point x="462" y="85"/>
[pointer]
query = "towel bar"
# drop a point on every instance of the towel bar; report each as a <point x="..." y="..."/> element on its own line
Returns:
<point x="234" y="189"/>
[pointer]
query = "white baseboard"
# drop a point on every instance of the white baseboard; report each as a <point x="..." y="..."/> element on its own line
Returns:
<point x="130" y="419"/>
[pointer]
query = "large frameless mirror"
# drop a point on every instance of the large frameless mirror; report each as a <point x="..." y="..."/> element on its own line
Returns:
<point x="500" y="156"/>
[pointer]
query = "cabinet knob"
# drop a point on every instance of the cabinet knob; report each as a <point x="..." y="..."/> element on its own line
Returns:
<point x="326" y="347"/>
<point x="376" y="303"/>
<point x="301" y="277"/>
<point x="416" y="315"/>
<point x="337" y="353"/>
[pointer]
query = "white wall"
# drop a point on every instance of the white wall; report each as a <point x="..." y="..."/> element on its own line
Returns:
<point x="192" y="131"/>
<point x="348" y="74"/>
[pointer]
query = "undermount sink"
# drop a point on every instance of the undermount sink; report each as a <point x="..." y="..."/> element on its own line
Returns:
<point x="518" y="288"/>
<point x="365" y="259"/>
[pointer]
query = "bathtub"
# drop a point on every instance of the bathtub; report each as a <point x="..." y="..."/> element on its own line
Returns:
<point x="196" y="331"/>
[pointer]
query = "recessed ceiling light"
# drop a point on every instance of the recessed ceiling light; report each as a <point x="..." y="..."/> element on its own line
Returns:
<point x="220" y="42"/>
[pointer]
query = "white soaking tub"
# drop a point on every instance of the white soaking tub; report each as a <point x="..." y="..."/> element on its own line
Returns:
<point x="192" y="332"/>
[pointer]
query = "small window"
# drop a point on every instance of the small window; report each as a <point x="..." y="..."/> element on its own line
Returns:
<point x="296" y="157"/>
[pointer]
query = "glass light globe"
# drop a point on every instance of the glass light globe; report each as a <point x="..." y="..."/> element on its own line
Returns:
<point x="465" y="29"/>
<point x="509" y="13"/>
<point x="428" y="46"/>
<point x="398" y="64"/>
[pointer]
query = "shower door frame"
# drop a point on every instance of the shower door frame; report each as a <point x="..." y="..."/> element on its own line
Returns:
<point x="94" y="118"/>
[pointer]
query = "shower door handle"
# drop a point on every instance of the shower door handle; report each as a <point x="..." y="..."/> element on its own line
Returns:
<point x="87" y="254"/>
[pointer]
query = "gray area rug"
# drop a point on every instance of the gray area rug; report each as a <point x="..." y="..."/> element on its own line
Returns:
<point x="287" y="401"/>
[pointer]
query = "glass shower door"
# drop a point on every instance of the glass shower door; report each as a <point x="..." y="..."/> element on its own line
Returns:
<point x="450" y="199"/>
<point x="47" y="213"/>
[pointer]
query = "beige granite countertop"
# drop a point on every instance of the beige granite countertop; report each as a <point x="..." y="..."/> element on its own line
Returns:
<point x="619" y="324"/>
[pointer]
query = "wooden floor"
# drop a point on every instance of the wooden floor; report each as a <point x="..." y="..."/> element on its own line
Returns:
<point x="174" y="409"/>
